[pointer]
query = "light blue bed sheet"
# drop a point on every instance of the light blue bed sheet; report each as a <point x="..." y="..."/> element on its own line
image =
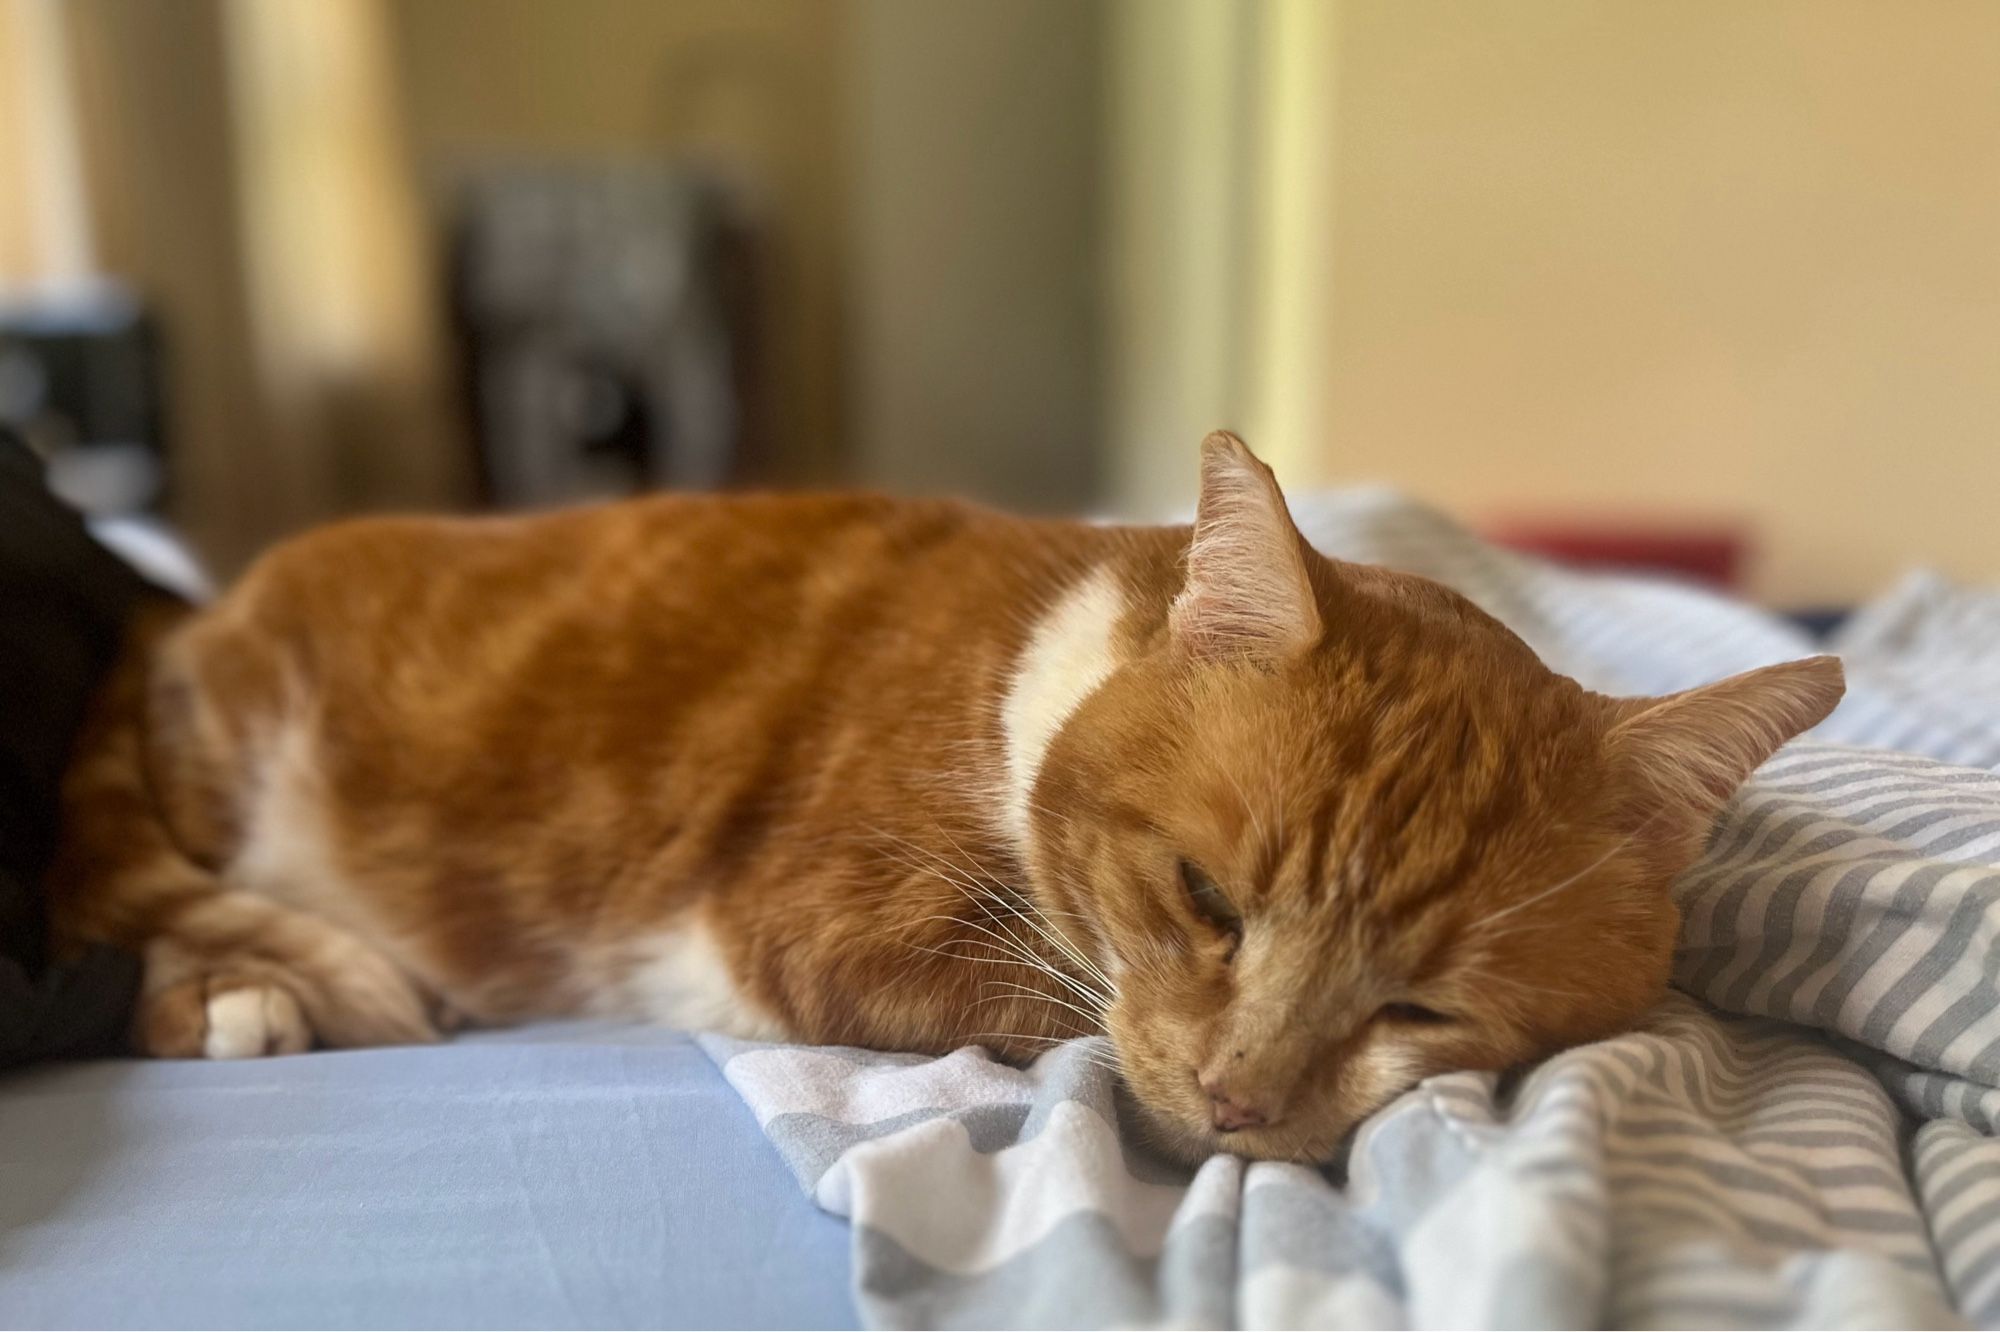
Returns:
<point x="563" y="1176"/>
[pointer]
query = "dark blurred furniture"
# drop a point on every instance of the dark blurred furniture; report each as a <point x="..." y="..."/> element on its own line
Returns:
<point x="80" y="384"/>
<point x="606" y="321"/>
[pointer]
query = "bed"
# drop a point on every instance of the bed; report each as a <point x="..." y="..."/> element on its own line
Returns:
<point x="566" y="1176"/>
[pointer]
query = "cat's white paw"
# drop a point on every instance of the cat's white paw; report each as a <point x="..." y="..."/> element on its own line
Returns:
<point x="252" y="1020"/>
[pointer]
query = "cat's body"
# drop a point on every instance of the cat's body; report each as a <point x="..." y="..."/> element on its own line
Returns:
<point x="892" y="773"/>
<point x="611" y="760"/>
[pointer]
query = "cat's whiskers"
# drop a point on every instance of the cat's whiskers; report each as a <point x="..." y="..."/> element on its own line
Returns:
<point x="1001" y="954"/>
<point x="1096" y="1054"/>
<point x="1094" y="1003"/>
<point x="994" y="910"/>
<point x="1011" y="956"/>
<point x="1009" y="989"/>
<point x="1553" y="889"/>
<point x="1049" y="931"/>
<point x="994" y="926"/>
<point x="996" y="931"/>
<point x="1490" y="980"/>
<point x="1053" y="932"/>
<point x="1050" y="1027"/>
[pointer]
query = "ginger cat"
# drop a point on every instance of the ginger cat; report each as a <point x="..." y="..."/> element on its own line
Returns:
<point x="1293" y="832"/>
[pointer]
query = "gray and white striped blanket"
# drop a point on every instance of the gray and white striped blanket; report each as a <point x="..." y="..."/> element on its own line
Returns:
<point x="1803" y="1136"/>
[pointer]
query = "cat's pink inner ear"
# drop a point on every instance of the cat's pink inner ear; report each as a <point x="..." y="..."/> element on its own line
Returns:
<point x="1248" y="592"/>
<point x="1698" y="746"/>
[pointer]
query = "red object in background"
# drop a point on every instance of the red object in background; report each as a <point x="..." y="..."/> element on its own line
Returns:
<point x="1703" y="552"/>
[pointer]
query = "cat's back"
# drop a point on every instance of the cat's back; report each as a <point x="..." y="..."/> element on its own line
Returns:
<point x="506" y="731"/>
<point x="571" y="637"/>
<point x="658" y="554"/>
<point x="390" y="600"/>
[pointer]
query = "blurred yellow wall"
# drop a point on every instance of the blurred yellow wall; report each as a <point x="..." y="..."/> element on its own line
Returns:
<point x="972" y="264"/>
<point x="1708" y="256"/>
<point x="43" y="233"/>
<point x="18" y="260"/>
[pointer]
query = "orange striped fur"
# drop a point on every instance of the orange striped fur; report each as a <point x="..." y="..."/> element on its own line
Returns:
<point x="1293" y="832"/>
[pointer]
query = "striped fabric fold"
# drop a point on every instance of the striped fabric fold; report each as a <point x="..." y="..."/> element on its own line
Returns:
<point x="1802" y="1136"/>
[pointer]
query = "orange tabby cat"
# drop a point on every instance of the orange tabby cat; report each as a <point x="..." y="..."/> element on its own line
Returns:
<point x="1294" y="832"/>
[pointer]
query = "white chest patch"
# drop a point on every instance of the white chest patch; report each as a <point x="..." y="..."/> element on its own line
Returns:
<point x="682" y="979"/>
<point x="1067" y="658"/>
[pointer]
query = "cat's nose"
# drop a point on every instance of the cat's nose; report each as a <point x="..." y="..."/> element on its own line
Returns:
<point x="1230" y="1112"/>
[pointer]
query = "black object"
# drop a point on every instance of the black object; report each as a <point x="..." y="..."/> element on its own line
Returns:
<point x="64" y="604"/>
<point x="605" y="313"/>
<point x="80" y="383"/>
<point x="1820" y="621"/>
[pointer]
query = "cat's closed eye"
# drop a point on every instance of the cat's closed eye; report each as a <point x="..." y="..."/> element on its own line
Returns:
<point x="1413" y="1015"/>
<point x="1210" y="902"/>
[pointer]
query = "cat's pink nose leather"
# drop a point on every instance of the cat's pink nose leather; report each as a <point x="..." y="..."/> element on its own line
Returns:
<point x="1230" y="1114"/>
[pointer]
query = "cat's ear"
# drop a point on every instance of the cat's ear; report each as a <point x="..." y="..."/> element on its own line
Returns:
<point x="1693" y="749"/>
<point x="1248" y="593"/>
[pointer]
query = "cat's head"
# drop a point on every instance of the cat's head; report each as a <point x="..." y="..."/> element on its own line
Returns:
<point x="1337" y="830"/>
